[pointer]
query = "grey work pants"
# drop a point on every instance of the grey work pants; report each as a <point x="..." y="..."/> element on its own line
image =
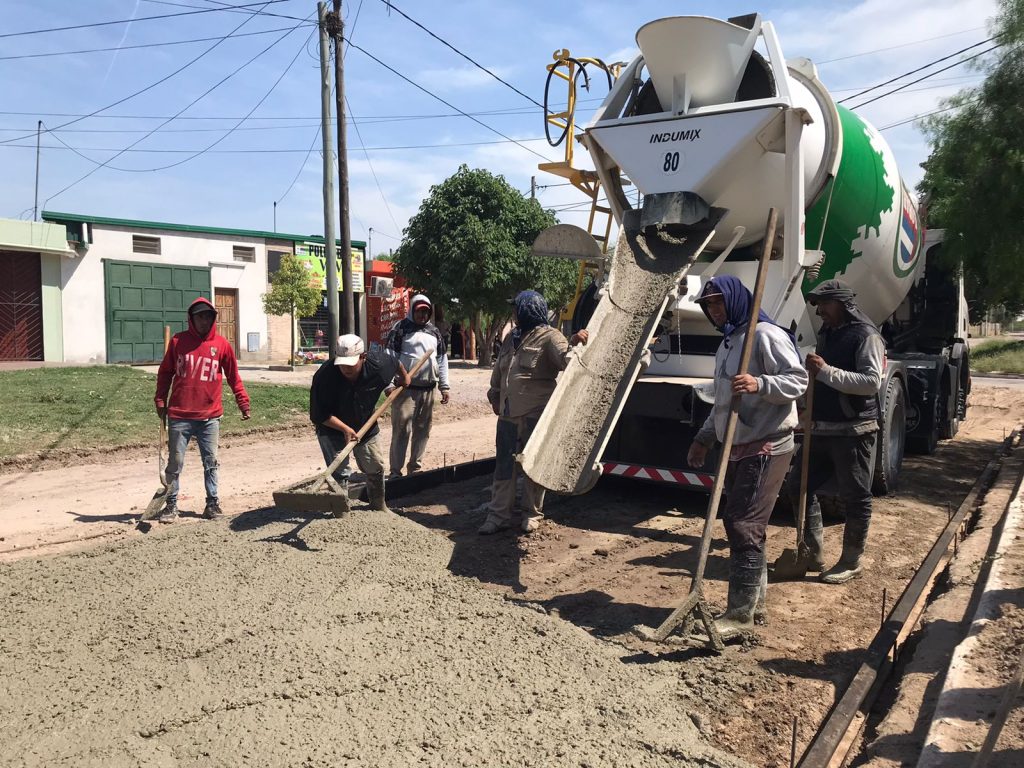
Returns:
<point x="412" y="414"/>
<point x="369" y="457"/>
<point x="510" y="438"/>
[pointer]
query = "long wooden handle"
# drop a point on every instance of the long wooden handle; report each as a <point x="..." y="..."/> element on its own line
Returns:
<point x="805" y="463"/>
<point x="734" y="407"/>
<point x="344" y="452"/>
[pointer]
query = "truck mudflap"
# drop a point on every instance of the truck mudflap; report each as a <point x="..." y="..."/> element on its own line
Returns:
<point x="701" y="480"/>
<point x="563" y="452"/>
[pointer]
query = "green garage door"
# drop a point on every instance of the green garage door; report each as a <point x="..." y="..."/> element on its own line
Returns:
<point x="141" y="300"/>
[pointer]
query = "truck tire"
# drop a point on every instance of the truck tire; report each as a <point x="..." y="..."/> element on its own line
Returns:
<point x="927" y="438"/>
<point x="891" y="440"/>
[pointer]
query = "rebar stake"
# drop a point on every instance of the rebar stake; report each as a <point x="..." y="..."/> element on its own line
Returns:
<point x="885" y="600"/>
<point x="792" y="746"/>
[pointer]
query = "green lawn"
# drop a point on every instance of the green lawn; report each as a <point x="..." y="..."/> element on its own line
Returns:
<point x="109" y="406"/>
<point x="999" y="356"/>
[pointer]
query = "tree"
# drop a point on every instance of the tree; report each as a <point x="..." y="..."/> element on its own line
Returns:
<point x="973" y="176"/>
<point x="293" y="291"/>
<point x="468" y="248"/>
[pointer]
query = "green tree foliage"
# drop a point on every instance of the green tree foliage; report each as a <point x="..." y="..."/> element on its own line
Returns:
<point x="293" y="291"/>
<point x="468" y="248"/>
<point x="975" y="174"/>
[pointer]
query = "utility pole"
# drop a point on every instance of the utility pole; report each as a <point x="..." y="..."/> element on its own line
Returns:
<point x="533" y="187"/>
<point x="345" y="232"/>
<point x="325" y="118"/>
<point x="275" y="215"/>
<point x="369" y="245"/>
<point x="35" y="206"/>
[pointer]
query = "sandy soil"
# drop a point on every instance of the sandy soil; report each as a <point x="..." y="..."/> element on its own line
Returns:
<point x="621" y="555"/>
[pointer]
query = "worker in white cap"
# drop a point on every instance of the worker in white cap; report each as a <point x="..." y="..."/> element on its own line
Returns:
<point x="342" y="398"/>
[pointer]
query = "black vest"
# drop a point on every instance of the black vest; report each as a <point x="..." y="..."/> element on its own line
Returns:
<point x="839" y="349"/>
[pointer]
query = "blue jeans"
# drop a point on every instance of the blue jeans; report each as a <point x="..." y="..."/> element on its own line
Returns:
<point x="207" y="434"/>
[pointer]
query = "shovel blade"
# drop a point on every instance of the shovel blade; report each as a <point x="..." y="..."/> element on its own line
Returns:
<point x="790" y="566"/>
<point x="155" y="504"/>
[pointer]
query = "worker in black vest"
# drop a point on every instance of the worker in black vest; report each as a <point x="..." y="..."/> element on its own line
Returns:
<point x="847" y="371"/>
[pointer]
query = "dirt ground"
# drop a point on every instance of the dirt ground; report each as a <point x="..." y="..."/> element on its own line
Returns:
<point x="604" y="562"/>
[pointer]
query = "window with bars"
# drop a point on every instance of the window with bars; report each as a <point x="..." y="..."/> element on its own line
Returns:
<point x="244" y="252"/>
<point x="143" y="244"/>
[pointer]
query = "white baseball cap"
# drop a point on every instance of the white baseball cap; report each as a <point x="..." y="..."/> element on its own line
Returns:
<point x="349" y="348"/>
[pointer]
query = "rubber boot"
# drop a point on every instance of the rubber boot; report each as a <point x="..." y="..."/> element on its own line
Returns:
<point x="744" y="587"/>
<point x="761" y="607"/>
<point x="814" y="538"/>
<point x="375" y="492"/>
<point x="849" y="567"/>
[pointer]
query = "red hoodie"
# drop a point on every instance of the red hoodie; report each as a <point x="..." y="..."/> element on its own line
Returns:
<point x="197" y="366"/>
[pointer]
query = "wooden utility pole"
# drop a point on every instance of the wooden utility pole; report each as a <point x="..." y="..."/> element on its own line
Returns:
<point x="328" y="151"/>
<point x="345" y="232"/>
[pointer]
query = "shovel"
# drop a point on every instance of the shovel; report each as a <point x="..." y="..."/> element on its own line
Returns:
<point x="160" y="497"/>
<point x="792" y="564"/>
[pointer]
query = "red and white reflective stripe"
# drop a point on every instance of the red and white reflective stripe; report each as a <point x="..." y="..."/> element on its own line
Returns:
<point x="659" y="474"/>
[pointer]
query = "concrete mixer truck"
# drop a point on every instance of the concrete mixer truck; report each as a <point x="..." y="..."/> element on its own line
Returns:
<point x="698" y="137"/>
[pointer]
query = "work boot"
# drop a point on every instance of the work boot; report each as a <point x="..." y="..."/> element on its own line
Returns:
<point x="531" y="524"/>
<point x="213" y="510"/>
<point x="744" y="589"/>
<point x="760" y="607"/>
<point x="375" y="492"/>
<point x="849" y="567"/>
<point x="814" y="545"/>
<point x="169" y="513"/>
<point x="492" y="525"/>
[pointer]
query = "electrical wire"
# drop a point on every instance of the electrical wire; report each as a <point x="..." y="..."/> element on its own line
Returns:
<point x="264" y="151"/>
<point x="148" y="87"/>
<point x="243" y="9"/>
<point x="369" y="162"/>
<point x="107" y="162"/>
<point x="472" y="61"/>
<point x="129" y="21"/>
<point x="141" y="45"/>
<point x="915" y="71"/>
<point x="913" y="82"/>
<point x="901" y="45"/>
<point x="303" y="166"/>
<point x="446" y="103"/>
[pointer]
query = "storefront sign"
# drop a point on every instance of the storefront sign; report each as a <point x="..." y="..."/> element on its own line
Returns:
<point x="312" y="255"/>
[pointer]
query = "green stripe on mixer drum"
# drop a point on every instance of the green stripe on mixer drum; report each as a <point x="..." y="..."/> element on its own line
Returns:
<point x="859" y="195"/>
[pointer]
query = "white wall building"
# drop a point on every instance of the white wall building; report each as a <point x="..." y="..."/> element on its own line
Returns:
<point x="129" y="279"/>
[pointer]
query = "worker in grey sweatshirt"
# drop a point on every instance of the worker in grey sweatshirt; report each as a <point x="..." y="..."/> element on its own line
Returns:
<point x="763" y="442"/>
<point x="412" y="414"/>
<point x="847" y="369"/>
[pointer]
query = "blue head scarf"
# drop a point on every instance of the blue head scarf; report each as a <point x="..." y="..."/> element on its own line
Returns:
<point x="737" y="307"/>
<point x="531" y="311"/>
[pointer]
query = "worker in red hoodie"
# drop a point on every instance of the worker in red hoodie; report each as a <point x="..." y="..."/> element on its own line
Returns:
<point x="192" y="370"/>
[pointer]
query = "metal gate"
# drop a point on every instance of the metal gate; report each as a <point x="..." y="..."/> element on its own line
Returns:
<point x="143" y="298"/>
<point x="21" y="306"/>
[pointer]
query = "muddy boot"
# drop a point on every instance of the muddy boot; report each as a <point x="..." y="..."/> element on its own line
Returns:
<point x="760" y="607"/>
<point x="492" y="525"/>
<point x="375" y="492"/>
<point x="849" y="567"/>
<point x="213" y="510"/>
<point x="814" y="544"/>
<point x="744" y="587"/>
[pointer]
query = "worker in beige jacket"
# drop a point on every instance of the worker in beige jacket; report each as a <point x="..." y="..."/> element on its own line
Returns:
<point x="522" y="381"/>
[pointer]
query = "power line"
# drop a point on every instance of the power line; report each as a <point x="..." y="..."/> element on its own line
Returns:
<point x="912" y="82"/>
<point x="446" y="103"/>
<point x="106" y="163"/>
<point x="444" y="42"/>
<point x="901" y="45"/>
<point x="128" y="21"/>
<point x="303" y="166"/>
<point x="261" y="12"/>
<point x="924" y="115"/>
<point x="132" y="47"/>
<point x="148" y="87"/>
<point x="262" y="151"/>
<point x="362" y="146"/>
<point x="915" y="71"/>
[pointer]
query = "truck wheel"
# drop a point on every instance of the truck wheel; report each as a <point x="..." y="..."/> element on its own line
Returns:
<point x="927" y="439"/>
<point x="891" y="440"/>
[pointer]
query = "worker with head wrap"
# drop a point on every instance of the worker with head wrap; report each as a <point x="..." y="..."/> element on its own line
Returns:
<point x="530" y="359"/>
<point x="847" y="371"/>
<point x="763" y="442"/>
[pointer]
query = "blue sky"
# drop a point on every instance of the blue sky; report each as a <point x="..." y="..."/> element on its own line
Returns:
<point x="412" y="140"/>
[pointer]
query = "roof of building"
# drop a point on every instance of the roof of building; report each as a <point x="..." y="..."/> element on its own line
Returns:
<point x="139" y="224"/>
